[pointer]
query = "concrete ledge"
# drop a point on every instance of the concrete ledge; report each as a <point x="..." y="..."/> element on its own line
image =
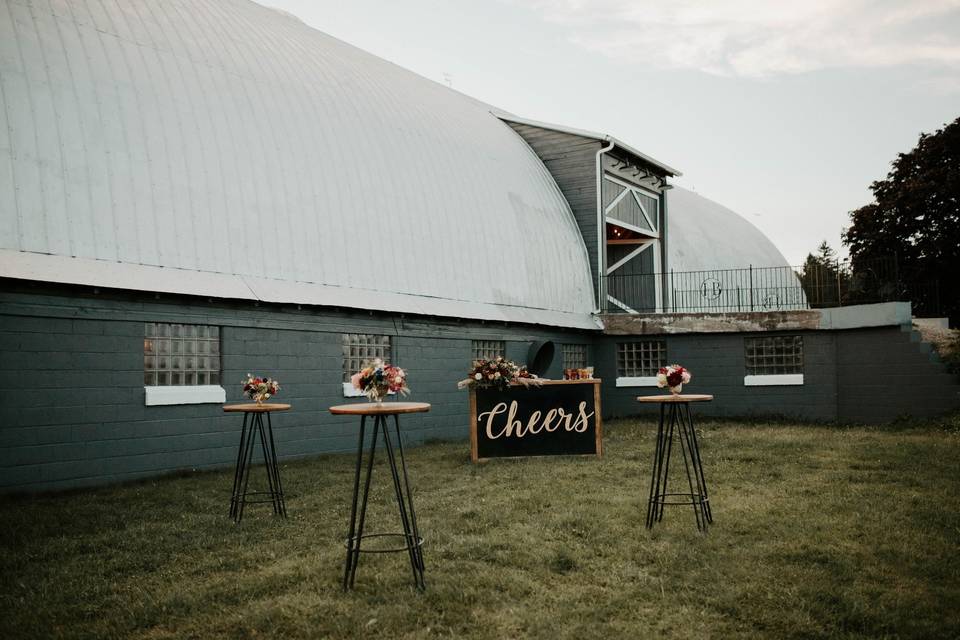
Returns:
<point x="885" y="314"/>
<point x="932" y="323"/>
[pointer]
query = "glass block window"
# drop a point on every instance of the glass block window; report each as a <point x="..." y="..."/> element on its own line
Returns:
<point x="180" y="354"/>
<point x="487" y="349"/>
<point x="574" y="356"/>
<point x="359" y="349"/>
<point x="773" y="355"/>
<point x="640" y="359"/>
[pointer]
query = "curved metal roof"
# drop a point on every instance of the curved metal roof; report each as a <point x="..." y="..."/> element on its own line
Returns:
<point x="224" y="148"/>
<point x="706" y="236"/>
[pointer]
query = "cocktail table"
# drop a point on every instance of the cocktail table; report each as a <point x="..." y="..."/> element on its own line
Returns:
<point x="412" y="543"/>
<point x="252" y="427"/>
<point x="674" y="413"/>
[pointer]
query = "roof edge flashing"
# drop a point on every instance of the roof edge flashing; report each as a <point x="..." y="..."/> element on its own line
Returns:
<point x="602" y="137"/>
<point x="20" y="265"/>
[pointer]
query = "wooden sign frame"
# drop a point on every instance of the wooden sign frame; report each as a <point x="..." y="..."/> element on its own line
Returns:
<point x="598" y="419"/>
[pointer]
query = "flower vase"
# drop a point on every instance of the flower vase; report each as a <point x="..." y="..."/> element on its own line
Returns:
<point x="376" y="396"/>
<point x="677" y="389"/>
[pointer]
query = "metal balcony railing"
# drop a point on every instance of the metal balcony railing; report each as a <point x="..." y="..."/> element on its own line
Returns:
<point x="816" y="284"/>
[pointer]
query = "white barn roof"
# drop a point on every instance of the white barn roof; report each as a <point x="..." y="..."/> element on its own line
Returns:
<point x="226" y="149"/>
<point x="707" y="236"/>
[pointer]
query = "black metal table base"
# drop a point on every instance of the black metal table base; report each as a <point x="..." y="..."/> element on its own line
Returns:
<point x="411" y="542"/>
<point x="674" y="419"/>
<point x="254" y="428"/>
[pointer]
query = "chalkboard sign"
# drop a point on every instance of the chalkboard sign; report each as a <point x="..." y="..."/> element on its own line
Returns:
<point x="561" y="417"/>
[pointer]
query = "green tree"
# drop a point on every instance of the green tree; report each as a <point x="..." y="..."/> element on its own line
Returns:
<point x="915" y="216"/>
<point x="822" y="278"/>
<point x="826" y="254"/>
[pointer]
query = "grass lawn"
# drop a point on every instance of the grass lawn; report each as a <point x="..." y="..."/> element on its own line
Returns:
<point x="819" y="532"/>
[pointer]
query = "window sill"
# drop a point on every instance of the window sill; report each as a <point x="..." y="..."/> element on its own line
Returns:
<point x="650" y="381"/>
<point x="350" y="392"/>
<point x="197" y="394"/>
<point x="773" y="380"/>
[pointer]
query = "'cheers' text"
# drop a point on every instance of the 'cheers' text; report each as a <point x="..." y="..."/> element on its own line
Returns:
<point x="550" y="422"/>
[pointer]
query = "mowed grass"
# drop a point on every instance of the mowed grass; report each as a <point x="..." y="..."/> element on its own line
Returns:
<point x="820" y="532"/>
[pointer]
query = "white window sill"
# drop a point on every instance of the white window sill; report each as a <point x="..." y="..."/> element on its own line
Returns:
<point x="197" y="394"/>
<point x="773" y="381"/>
<point x="350" y="392"/>
<point x="650" y="381"/>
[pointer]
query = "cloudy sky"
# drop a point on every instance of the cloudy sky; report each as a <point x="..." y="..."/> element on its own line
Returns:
<point x="784" y="112"/>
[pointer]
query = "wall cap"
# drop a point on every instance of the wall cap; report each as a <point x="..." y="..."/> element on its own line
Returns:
<point x="884" y="314"/>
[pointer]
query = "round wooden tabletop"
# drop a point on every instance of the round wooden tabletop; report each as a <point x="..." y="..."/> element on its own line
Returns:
<point x="253" y="407"/>
<point x="682" y="397"/>
<point x="373" y="409"/>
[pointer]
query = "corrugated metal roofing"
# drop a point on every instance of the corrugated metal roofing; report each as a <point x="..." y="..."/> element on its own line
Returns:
<point x="705" y="235"/>
<point x="226" y="149"/>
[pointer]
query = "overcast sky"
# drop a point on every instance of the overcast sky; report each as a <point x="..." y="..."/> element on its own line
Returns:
<point x="784" y="112"/>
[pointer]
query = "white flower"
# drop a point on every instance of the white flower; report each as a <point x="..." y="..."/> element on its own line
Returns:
<point x="686" y="377"/>
<point x="478" y="376"/>
<point x="661" y="380"/>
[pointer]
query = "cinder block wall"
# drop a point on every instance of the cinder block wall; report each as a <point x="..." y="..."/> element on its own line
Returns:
<point x="76" y="359"/>
<point x="75" y="414"/>
<point x="856" y="375"/>
<point x="887" y="373"/>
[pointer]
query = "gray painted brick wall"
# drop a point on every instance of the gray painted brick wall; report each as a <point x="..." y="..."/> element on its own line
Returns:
<point x="887" y="373"/>
<point x="78" y="416"/>
<point x="863" y="375"/>
<point x="81" y="420"/>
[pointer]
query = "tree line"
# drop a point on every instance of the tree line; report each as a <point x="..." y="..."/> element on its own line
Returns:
<point x="905" y="245"/>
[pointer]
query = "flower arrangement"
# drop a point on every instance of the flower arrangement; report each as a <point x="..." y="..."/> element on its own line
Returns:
<point x="260" y="388"/>
<point x="378" y="379"/>
<point x="673" y="376"/>
<point x="497" y="373"/>
<point x="491" y="374"/>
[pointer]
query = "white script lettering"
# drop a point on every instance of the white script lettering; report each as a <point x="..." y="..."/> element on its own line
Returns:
<point x="512" y="426"/>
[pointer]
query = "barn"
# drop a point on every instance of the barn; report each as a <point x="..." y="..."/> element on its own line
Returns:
<point x="194" y="190"/>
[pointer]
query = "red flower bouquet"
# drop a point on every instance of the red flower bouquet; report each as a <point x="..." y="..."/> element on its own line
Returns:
<point x="673" y="376"/>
